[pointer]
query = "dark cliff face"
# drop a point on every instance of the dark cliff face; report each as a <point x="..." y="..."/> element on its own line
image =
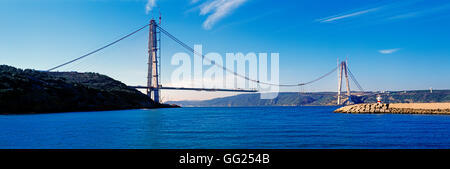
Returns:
<point x="30" y="91"/>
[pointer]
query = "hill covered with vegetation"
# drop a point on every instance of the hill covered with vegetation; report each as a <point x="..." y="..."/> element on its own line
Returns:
<point x="320" y="99"/>
<point x="31" y="91"/>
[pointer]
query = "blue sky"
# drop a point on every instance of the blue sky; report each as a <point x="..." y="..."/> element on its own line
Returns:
<point x="391" y="45"/>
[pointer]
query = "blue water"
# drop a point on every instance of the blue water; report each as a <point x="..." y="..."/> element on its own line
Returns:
<point x="257" y="127"/>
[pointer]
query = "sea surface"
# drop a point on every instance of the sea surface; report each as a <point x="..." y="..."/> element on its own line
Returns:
<point x="247" y="128"/>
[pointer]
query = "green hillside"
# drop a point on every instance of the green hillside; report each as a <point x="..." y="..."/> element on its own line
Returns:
<point x="31" y="91"/>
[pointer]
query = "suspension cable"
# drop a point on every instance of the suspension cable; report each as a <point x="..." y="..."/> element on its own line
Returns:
<point x="354" y="80"/>
<point x="99" y="49"/>
<point x="187" y="47"/>
<point x="195" y="52"/>
<point x="320" y="78"/>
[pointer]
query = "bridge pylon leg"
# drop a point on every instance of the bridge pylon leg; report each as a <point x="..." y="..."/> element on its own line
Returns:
<point x="339" y="83"/>
<point x="153" y="72"/>
<point x="343" y="71"/>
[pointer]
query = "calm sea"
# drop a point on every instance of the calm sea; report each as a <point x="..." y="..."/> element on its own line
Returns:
<point x="254" y="127"/>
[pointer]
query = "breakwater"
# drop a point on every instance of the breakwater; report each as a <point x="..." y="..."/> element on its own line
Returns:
<point x="397" y="108"/>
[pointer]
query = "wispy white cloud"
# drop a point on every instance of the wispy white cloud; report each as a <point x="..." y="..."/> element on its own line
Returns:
<point x="422" y="12"/>
<point x="246" y="20"/>
<point x="217" y="10"/>
<point x="391" y="11"/>
<point x="348" y="15"/>
<point x="389" y="51"/>
<point x="149" y="6"/>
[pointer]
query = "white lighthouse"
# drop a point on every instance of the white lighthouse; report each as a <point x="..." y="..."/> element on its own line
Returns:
<point x="379" y="98"/>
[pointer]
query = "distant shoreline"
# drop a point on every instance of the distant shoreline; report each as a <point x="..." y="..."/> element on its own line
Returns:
<point x="319" y="99"/>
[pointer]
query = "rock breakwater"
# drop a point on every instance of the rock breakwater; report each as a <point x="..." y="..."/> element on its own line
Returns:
<point x="397" y="108"/>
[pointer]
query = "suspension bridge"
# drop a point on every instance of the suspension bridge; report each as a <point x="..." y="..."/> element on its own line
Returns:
<point x="154" y="85"/>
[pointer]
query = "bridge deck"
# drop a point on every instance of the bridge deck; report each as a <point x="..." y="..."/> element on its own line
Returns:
<point x="196" y="89"/>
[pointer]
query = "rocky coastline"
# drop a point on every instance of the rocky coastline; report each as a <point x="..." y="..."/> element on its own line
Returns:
<point x="31" y="91"/>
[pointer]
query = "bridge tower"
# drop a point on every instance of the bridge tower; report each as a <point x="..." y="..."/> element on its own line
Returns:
<point x="153" y="85"/>
<point x="343" y="71"/>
